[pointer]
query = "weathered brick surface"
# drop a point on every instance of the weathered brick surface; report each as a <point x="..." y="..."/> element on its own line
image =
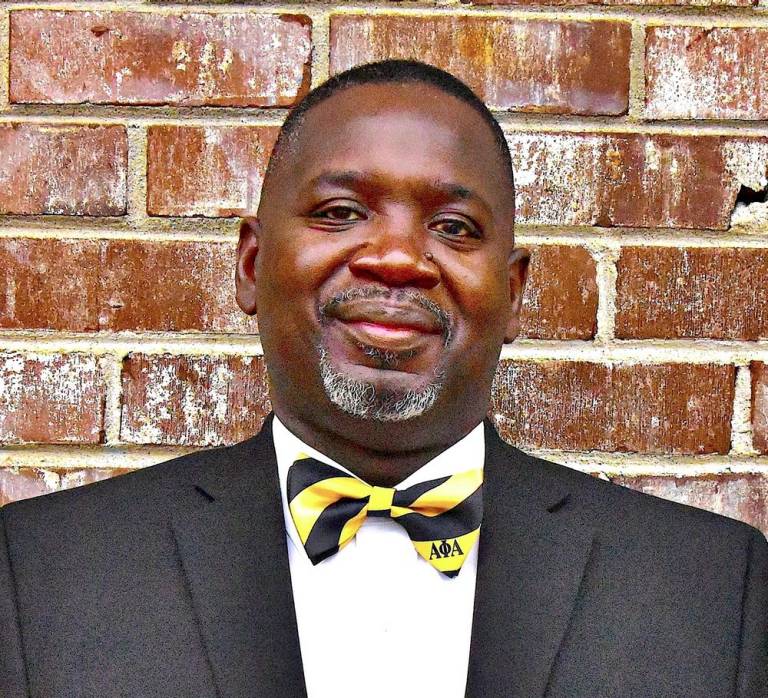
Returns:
<point x="232" y="59"/>
<point x="740" y="496"/>
<point x="170" y="286"/>
<point x="664" y="408"/>
<point x="192" y="400"/>
<point x="759" y="371"/>
<point x="88" y="285"/>
<point x="527" y="65"/>
<point x="23" y="483"/>
<point x="633" y="179"/>
<point x="72" y="170"/>
<point x="56" y="398"/>
<point x="49" y="284"/>
<point x="706" y="73"/>
<point x="672" y="292"/>
<point x="206" y="171"/>
<point x="560" y="299"/>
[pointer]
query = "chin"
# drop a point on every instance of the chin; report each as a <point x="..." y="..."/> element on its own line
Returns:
<point x="378" y="395"/>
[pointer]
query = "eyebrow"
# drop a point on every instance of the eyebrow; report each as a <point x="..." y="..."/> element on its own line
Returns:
<point x="353" y="179"/>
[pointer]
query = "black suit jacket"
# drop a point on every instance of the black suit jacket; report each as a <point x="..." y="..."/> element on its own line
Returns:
<point x="174" y="581"/>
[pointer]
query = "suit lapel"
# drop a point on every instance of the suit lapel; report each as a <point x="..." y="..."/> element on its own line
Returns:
<point x="532" y="557"/>
<point x="230" y="534"/>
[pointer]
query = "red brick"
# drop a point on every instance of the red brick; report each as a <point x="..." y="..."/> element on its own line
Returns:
<point x="233" y="59"/>
<point x="740" y="496"/>
<point x="69" y="170"/>
<point x="513" y="64"/>
<point x="560" y="299"/>
<point x="170" y="286"/>
<point x="706" y="73"/>
<point x="670" y="292"/>
<point x="192" y="400"/>
<point x="206" y="170"/>
<point x="49" y="284"/>
<point x="23" y="483"/>
<point x="56" y="398"/>
<point x="759" y="372"/>
<point x="580" y="406"/>
<point x="633" y="179"/>
<point x="87" y="285"/>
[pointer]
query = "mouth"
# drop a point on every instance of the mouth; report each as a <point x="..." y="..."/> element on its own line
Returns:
<point x="384" y="324"/>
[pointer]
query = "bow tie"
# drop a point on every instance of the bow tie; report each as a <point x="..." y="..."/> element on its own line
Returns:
<point x="442" y="516"/>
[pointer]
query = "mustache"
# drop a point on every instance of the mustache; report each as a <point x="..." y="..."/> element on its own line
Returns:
<point x="443" y="317"/>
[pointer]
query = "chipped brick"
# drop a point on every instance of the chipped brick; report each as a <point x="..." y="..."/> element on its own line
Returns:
<point x="22" y="483"/>
<point x="49" y="284"/>
<point x="560" y="299"/>
<point x="633" y="179"/>
<point x="170" y="286"/>
<point x="88" y="285"/>
<point x="646" y="3"/>
<point x="759" y="371"/>
<point x="87" y="476"/>
<point x="740" y="496"/>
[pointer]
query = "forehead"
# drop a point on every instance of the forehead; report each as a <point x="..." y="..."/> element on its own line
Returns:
<point x="410" y="132"/>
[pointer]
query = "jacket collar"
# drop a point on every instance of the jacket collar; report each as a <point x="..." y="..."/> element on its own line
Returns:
<point x="533" y="552"/>
<point x="230" y="533"/>
<point x="231" y="540"/>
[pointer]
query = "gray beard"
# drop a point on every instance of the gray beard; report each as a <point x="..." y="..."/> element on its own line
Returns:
<point x="362" y="399"/>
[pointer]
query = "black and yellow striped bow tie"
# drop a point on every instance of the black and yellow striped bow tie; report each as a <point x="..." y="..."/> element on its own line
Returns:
<point x="442" y="517"/>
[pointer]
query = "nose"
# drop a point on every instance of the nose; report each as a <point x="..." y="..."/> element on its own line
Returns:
<point x="395" y="259"/>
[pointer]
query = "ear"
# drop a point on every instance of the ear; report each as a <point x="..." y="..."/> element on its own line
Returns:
<point x="518" y="273"/>
<point x="245" y="274"/>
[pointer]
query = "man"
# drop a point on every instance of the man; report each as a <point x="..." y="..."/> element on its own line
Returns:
<point x="336" y="553"/>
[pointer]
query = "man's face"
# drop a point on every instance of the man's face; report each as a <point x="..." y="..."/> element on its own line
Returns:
<point x="382" y="266"/>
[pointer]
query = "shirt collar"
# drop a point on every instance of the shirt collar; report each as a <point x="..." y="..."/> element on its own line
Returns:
<point x="468" y="453"/>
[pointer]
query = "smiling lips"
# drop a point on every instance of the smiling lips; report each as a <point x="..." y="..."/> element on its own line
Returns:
<point x="395" y="326"/>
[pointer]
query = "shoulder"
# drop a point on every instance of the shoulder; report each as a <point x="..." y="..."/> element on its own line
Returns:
<point x="621" y="513"/>
<point x="138" y="498"/>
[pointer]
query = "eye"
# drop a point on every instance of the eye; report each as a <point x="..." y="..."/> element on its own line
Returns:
<point x="456" y="228"/>
<point x="340" y="213"/>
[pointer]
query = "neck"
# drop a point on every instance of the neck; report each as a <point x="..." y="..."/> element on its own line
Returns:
<point x="382" y="468"/>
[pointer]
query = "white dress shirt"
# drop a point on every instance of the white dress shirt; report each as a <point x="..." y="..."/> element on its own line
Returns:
<point x="376" y="619"/>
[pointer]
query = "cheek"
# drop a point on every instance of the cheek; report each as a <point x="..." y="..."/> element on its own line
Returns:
<point x="286" y="267"/>
<point x="294" y="274"/>
<point x="485" y="300"/>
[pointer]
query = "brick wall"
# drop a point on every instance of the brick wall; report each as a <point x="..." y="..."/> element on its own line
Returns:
<point x="130" y="141"/>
